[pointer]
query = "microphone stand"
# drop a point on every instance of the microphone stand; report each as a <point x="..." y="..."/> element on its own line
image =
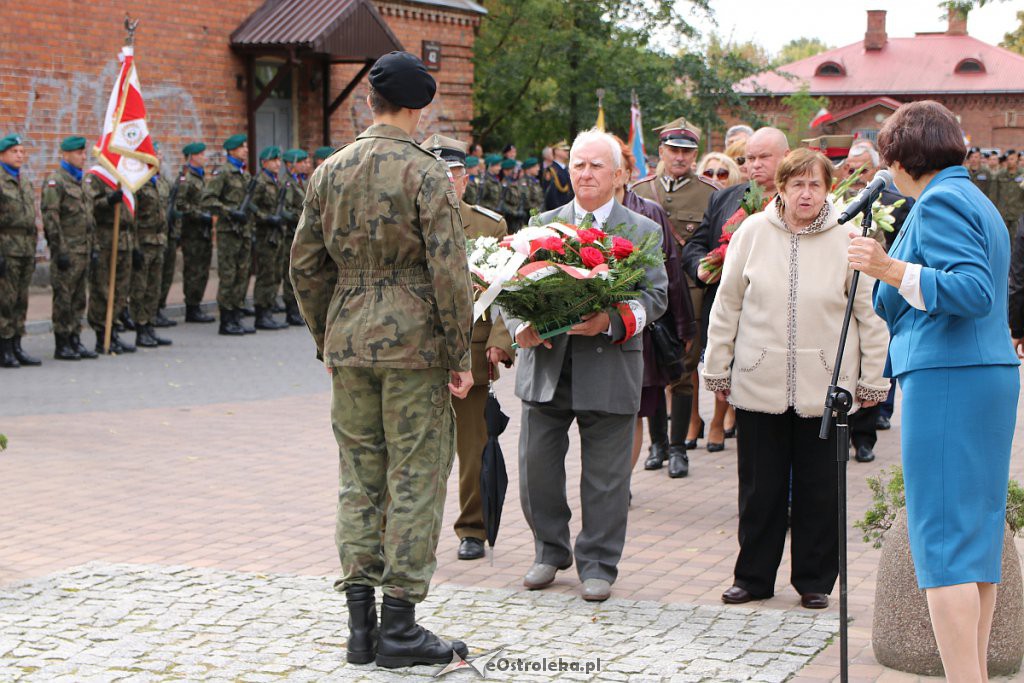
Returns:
<point x="838" y="402"/>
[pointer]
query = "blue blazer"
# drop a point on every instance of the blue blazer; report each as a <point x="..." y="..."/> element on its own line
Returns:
<point x="960" y="240"/>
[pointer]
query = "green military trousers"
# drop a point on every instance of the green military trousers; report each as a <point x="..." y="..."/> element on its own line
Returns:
<point x="395" y="430"/>
<point x="196" y="255"/>
<point x="147" y="281"/>
<point x="14" y="285"/>
<point x="167" y="277"/>
<point x="268" y="269"/>
<point x="99" y="284"/>
<point x="69" y="288"/>
<point x="234" y="256"/>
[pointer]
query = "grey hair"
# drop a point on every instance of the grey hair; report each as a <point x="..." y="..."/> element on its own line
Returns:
<point x="595" y="135"/>
<point x="865" y="148"/>
<point x="739" y="128"/>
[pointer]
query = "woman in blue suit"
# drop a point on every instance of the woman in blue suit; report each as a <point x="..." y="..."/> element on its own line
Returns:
<point x="942" y="289"/>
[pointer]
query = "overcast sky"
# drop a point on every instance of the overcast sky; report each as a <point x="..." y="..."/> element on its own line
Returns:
<point x="773" y="23"/>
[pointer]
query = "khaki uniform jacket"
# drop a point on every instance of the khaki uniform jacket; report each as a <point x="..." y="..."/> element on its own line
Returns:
<point x="685" y="204"/>
<point x="67" y="215"/>
<point x="17" y="216"/>
<point x="379" y="258"/>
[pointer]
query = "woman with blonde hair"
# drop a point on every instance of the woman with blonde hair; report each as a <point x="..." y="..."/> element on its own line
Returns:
<point x="719" y="169"/>
<point x="737" y="152"/>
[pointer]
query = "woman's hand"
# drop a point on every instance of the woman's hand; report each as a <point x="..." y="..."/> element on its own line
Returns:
<point x="867" y="255"/>
<point x="1018" y="346"/>
<point x="868" y="404"/>
<point x="722" y="395"/>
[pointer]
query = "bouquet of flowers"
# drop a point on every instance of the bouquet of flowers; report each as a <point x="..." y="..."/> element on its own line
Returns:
<point x="881" y="214"/>
<point x="551" y="275"/>
<point x="754" y="201"/>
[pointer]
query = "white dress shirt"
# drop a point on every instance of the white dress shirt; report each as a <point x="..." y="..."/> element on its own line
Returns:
<point x="601" y="213"/>
<point x="910" y="286"/>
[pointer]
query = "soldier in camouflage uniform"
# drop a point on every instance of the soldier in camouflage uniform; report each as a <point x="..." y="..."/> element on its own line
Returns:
<point x="473" y="180"/>
<point x="17" y="251"/>
<point x="196" y="232"/>
<point x="297" y="168"/>
<point x="531" y="188"/>
<point x="1007" y="192"/>
<point x="980" y="175"/>
<point x="148" y="259"/>
<point x="513" y="203"/>
<point x="173" y="224"/>
<point x="489" y="195"/>
<point x="267" y="204"/>
<point x="223" y="197"/>
<point x="69" y="226"/>
<point x="104" y="200"/>
<point x="379" y="269"/>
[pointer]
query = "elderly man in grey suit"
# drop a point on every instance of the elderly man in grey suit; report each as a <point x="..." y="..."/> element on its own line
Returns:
<point x="592" y="375"/>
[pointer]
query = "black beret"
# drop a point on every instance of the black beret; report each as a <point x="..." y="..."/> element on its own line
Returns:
<point x="402" y="79"/>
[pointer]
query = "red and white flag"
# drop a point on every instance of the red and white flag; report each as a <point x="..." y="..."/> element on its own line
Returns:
<point x="821" y="118"/>
<point x="125" y="153"/>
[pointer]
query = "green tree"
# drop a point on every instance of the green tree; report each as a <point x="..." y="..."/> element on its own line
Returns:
<point x="1015" y="39"/>
<point x="800" y="48"/>
<point x="802" y="108"/>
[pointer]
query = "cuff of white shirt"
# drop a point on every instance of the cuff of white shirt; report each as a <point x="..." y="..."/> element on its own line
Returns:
<point x="910" y="286"/>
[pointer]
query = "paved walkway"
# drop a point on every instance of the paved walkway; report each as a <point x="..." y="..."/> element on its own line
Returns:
<point x="217" y="453"/>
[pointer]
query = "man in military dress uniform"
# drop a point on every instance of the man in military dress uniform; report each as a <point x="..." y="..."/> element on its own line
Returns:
<point x="684" y="196"/>
<point x="148" y="259"/>
<point x="1008" y="192"/>
<point x="196" y="232"/>
<point x="379" y="269"/>
<point x="68" y="224"/>
<point x="266" y="201"/>
<point x="490" y="185"/>
<point x="491" y="345"/>
<point x="223" y="197"/>
<point x="531" y="188"/>
<point x="473" y="180"/>
<point x="17" y="251"/>
<point x="559" y="187"/>
<point x="296" y="167"/>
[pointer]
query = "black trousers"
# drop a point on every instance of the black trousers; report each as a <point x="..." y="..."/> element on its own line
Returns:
<point x="770" y="449"/>
<point x="863" y="431"/>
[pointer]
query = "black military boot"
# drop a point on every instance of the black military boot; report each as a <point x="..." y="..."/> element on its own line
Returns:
<point x="126" y="319"/>
<point x="162" y="320"/>
<point x="143" y="338"/>
<point x="194" y="314"/>
<point x="20" y="354"/>
<point x="63" y="349"/>
<point x="403" y="642"/>
<point x="162" y="341"/>
<point x="678" y="461"/>
<point x="115" y="344"/>
<point x="277" y="307"/>
<point x="246" y="312"/>
<point x="246" y="329"/>
<point x="80" y="348"/>
<point x="658" y="428"/>
<point x="122" y="345"/>
<point x="228" y="326"/>
<point x="7" y="359"/>
<point x="362" y="624"/>
<point x="265" y="321"/>
<point x="292" y="316"/>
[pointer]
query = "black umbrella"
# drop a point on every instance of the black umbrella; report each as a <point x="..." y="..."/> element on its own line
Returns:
<point x="493" y="477"/>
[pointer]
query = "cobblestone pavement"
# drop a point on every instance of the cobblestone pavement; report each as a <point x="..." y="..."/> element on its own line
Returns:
<point x="107" y="622"/>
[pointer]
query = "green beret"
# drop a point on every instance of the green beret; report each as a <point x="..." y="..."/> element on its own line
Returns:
<point x="492" y="159"/>
<point x="293" y="155"/>
<point x="472" y="161"/>
<point x="10" y="141"/>
<point x="403" y="80"/>
<point x="72" y="143"/>
<point x="271" y="152"/>
<point x="530" y="162"/>
<point x="323" y="152"/>
<point x="506" y="164"/>
<point x="235" y="141"/>
<point x="193" y="148"/>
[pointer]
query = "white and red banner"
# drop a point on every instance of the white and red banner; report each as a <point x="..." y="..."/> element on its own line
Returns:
<point x="821" y="118"/>
<point x="125" y="154"/>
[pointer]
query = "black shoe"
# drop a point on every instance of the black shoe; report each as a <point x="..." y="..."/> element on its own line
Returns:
<point x="678" y="462"/>
<point x="163" y="321"/>
<point x="292" y="316"/>
<point x="715" y="447"/>
<point x="730" y="433"/>
<point x="7" y="359"/>
<point x="144" y="338"/>
<point x="864" y="454"/>
<point x="691" y="444"/>
<point x="403" y="642"/>
<point x="882" y="423"/>
<point x="658" y="455"/>
<point x="20" y="354"/>
<point x="76" y="342"/>
<point x="162" y="341"/>
<point x="265" y="321"/>
<point x="123" y="346"/>
<point x="228" y="326"/>
<point x="194" y="314"/>
<point x="126" y="320"/>
<point x="63" y="350"/>
<point x="362" y="625"/>
<point x="471" y="549"/>
<point x="814" y="600"/>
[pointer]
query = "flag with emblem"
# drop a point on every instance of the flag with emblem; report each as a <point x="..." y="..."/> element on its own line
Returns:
<point x="125" y="154"/>
<point x="636" y="138"/>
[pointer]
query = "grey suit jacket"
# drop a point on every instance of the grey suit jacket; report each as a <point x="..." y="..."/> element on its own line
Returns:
<point x="606" y="377"/>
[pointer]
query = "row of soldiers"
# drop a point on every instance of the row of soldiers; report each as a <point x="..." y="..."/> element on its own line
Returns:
<point x="1004" y="184"/>
<point x="252" y="216"/>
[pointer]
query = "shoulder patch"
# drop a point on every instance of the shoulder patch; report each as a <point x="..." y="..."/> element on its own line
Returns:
<point x="493" y="215"/>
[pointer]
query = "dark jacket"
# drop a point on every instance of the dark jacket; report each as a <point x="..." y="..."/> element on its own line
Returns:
<point x="1016" y="302"/>
<point x="559" y="189"/>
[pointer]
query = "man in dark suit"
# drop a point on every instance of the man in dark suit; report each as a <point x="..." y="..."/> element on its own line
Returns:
<point x="559" y="186"/>
<point x="592" y="375"/>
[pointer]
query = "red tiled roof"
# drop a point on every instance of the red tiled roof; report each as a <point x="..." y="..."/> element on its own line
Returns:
<point x="923" y="64"/>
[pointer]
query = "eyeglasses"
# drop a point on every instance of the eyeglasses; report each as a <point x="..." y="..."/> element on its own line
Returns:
<point x="721" y="173"/>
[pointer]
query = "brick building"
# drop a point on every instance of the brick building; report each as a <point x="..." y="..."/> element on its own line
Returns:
<point x="866" y="81"/>
<point x="290" y="72"/>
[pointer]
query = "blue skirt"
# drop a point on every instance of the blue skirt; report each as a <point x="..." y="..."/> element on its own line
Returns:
<point x="958" y="427"/>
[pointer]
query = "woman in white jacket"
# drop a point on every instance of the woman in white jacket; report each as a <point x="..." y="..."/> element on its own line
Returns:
<point x="772" y="338"/>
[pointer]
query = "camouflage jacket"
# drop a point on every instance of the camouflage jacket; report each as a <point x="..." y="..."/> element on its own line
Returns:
<point x="224" y="192"/>
<point x="379" y="258"/>
<point x="151" y="212"/>
<point x="472" y="194"/>
<point x="489" y="195"/>
<point x="67" y="215"/>
<point x="265" y="197"/>
<point x="534" y="193"/>
<point x="189" y="201"/>
<point x="295" y="193"/>
<point x="513" y="202"/>
<point x="17" y="216"/>
<point x="1007" y="194"/>
<point x="103" y="213"/>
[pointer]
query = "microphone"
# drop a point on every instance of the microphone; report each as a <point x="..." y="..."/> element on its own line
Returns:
<point x="867" y="196"/>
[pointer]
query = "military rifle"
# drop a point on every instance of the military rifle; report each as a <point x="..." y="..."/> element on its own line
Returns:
<point x="274" y="237"/>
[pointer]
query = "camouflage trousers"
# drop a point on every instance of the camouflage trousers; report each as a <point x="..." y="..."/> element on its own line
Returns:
<point x="69" y="287"/>
<point x="283" y="262"/>
<point x="234" y="256"/>
<point x="471" y="440"/>
<point x="268" y="267"/>
<point x="99" y="279"/>
<point x="14" y="295"/>
<point x="396" y="435"/>
<point x="147" y="282"/>
<point x="167" y="277"/>
<point x="196" y="254"/>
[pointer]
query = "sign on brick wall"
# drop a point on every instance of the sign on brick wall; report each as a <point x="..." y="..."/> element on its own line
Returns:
<point x="432" y="54"/>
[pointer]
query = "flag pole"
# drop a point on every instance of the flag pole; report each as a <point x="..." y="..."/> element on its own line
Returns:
<point x="108" y="326"/>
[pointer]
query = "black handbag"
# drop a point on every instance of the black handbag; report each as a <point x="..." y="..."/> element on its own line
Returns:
<point x="668" y="350"/>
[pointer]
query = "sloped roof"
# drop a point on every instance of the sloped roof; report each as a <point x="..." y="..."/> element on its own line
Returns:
<point x="923" y="64"/>
<point x="465" y="5"/>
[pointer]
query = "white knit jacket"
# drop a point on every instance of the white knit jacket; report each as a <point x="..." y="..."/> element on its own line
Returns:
<point x="776" y="319"/>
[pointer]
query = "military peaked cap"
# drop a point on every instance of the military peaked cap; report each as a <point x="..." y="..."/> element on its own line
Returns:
<point x="9" y="141"/>
<point x="402" y="79"/>
<point x="235" y="141"/>
<point x="193" y="148"/>
<point x="72" y="143"/>
<point x="450" y="150"/>
<point x="562" y="145"/>
<point x="679" y="133"/>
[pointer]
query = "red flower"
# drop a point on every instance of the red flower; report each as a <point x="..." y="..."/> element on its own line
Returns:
<point x="621" y="247"/>
<point x="591" y="235"/>
<point x="591" y="257"/>
<point x="553" y="244"/>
